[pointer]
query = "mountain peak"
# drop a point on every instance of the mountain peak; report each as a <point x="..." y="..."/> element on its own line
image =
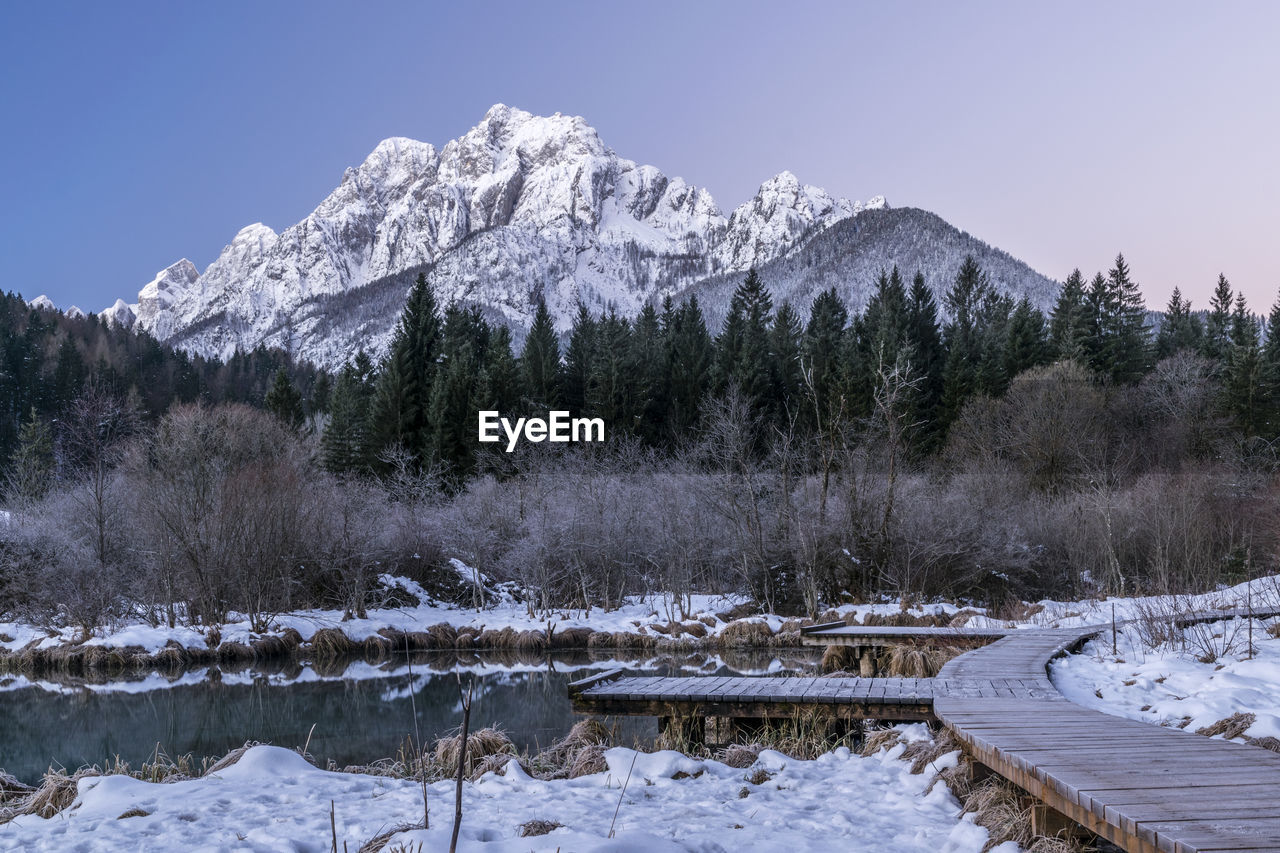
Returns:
<point x="520" y="207"/>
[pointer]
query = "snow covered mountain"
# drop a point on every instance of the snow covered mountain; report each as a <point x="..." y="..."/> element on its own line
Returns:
<point x="520" y="207"/>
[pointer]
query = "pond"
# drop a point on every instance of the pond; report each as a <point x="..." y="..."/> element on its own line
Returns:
<point x="349" y="713"/>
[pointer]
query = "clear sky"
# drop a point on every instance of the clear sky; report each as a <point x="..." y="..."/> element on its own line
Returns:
<point x="137" y="133"/>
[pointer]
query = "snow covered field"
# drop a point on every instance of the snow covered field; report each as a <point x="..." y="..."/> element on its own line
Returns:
<point x="273" y="800"/>
<point x="1175" y="684"/>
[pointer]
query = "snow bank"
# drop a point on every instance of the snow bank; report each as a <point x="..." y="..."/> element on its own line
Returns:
<point x="1171" y="686"/>
<point x="272" y="800"/>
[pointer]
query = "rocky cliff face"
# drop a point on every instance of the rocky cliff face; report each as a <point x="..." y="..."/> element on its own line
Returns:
<point x="519" y="208"/>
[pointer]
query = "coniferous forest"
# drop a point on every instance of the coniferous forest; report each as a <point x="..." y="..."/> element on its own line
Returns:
<point x="976" y="449"/>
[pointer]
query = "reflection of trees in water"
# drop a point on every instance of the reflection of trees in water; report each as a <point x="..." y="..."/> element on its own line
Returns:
<point x="357" y="721"/>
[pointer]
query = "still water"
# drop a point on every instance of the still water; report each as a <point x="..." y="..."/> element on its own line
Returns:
<point x="360" y="712"/>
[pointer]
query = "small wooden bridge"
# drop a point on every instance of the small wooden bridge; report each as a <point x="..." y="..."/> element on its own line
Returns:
<point x="1142" y="787"/>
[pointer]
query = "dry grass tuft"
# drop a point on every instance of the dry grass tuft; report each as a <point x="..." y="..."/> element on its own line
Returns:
<point x="905" y="661"/>
<point x="1270" y="743"/>
<point x="694" y="629"/>
<point x="740" y="755"/>
<point x="531" y="641"/>
<point x="231" y="757"/>
<point x="329" y="644"/>
<point x="579" y="753"/>
<point x="1230" y="727"/>
<point x="745" y="633"/>
<point x="998" y="806"/>
<point x="961" y="618"/>
<point x="759" y="776"/>
<point x="134" y="813"/>
<point x="480" y="744"/>
<point x="922" y="753"/>
<point x="571" y="638"/>
<point x="538" y="827"/>
<point x="879" y="739"/>
<point x="839" y="658"/>
<point x="958" y="779"/>
<point x="232" y="652"/>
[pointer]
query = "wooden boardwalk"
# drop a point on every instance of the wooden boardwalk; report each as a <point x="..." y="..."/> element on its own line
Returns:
<point x="1145" y="788"/>
<point x="838" y="633"/>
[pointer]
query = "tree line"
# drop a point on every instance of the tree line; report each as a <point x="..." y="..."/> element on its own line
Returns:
<point x="651" y="378"/>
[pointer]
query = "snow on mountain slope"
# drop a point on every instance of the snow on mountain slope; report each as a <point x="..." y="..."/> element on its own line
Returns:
<point x="520" y="206"/>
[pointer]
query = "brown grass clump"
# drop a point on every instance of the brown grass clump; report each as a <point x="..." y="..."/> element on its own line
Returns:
<point x="879" y="739"/>
<point x="172" y="657"/>
<point x="443" y="635"/>
<point x="1274" y="629"/>
<point x="1270" y="743"/>
<point x="480" y="744"/>
<point x="134" y="813"/>
<point x="375" y="647"/>
<point x="760" y="776"/>
<point x="530" y="641"/>
<point x="266" y="648"/>
<point x="571" y="638"/>
<point x="999" y="806"/>
<point x="579" y="753"/>
<point x="332" y="643"/>
<point x="232" y="652"/>
<point x="961" y="618"/>
<point x="917" y="661"/>
<point x="922" y="753"/>
<point x="740" y="755"/>
<point x="538" y="827"/>
<point x="1230" y="727"/>
<point x="839" y="658"/>
<point x="55" y="792"/>
<point x="745" y="633"/>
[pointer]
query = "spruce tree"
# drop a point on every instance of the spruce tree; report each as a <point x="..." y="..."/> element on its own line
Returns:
<point x="1067" y="320"/>
<point x="962" y="334"/>
<point x="647" y="357"/>
<point x="345" y="445"/>
<point x="579" y="361"/>
<point x="540" y="362"/>
<point x="823" y="341"/>
<point x="928" y="361"/>
<point x="31" y="466"/>
<point x="743" y="346"/>
<point x="690" y="355"/>
<point x="1027" y="343"/>
<point x="284" y="401"/>
<point x="1126" y="348"/>
<point x="1269" y="376"/>
<point x="785" y="342"/>
<point x="455" y="392"/>
<point x="1243" y="369"/>
<point x="1181" y="329"/>
<point x="1217" y="327"/>
<point x="400" y="408"/>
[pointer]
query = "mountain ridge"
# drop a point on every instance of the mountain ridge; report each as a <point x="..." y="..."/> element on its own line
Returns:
<point x="519" y="208"/>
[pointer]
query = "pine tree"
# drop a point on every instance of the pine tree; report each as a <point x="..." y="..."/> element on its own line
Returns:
<point x="31" y="467"/>
<point x="499" y="383"/>
<point x="403" y="398"/>
<point x="785" y="342"/>
<point x="540" y="362"/>
<point x="742" y="353"/>
<point x="1244" y="371"/>
<point x="345" y="446"/>
<point x="928" y="361"/>
<point x="1269" y="376"/>
<point x="1217" y="327"/>
<point x="1027" y="344"/>
<point x="321" y="391"/>
<point x="1181" y="329"/>
<point x="823" y="342"/>
<point x="1067" y="321"/>
<point x="455" y="392"/>
<point x="648" y="360"/>
<point x="1126" y="349"/>
<point x="579" y="361"/>
<point x="690" y="354"/>
<point x="964" y="302"/>
<point x="284" y="401"/>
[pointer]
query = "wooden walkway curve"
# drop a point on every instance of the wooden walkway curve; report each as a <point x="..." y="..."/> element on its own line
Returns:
<point x="1143" y="787"/>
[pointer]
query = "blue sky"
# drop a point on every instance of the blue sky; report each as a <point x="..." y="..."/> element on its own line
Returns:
<point x="138" y="133"/>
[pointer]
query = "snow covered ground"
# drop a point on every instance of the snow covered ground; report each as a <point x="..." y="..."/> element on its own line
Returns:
<point x="273" y="800"/>
<point x="1175" y="684"/>
<point x="638" y="615"/>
